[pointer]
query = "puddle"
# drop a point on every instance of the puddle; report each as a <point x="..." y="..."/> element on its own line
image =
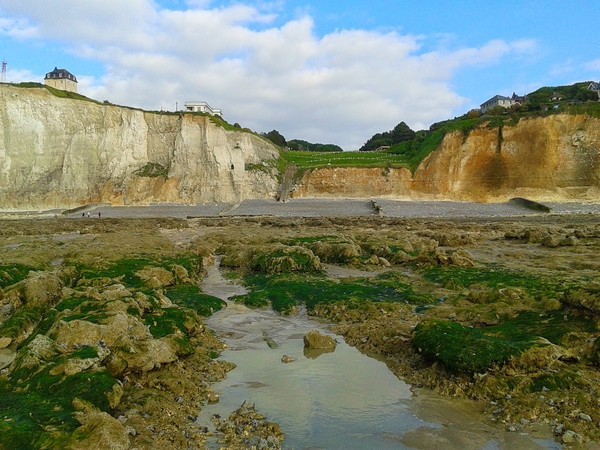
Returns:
<point x="341" y="399"/>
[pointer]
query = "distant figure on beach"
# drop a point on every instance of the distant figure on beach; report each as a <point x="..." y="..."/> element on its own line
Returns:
<point x="88" y="214"/>
<point x="99" y="214"/>
<point x="82" y="214"/>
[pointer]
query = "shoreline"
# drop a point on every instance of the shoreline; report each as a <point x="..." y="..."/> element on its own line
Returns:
<point x="316" y="207"/>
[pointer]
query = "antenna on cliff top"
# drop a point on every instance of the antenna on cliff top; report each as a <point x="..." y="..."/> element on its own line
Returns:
<point x="4" y="71"/>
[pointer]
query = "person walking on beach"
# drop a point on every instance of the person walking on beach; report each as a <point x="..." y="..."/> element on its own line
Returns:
<point x="88" y="214"/>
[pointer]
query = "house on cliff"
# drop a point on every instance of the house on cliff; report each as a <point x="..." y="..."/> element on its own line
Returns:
<point x="202" y="107"/>
<point x="594" y="87"/>
<point x="504" y="102"/>
<point x="61" y="79"/>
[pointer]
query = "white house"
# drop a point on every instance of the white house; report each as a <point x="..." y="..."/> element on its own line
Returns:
<point x="202" y="107"/>
<point x="61" y="79"/>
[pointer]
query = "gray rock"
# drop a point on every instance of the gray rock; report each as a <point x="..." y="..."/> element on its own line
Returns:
<point x="559" y="429"/>
<point x="584" y="417"/>
<point x="571" y="437"/>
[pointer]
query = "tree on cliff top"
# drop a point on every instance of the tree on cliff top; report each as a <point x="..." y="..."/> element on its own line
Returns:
<point x="276" y="138"/>
<point x="400" y="133"/>
<point x="304" y="146"/>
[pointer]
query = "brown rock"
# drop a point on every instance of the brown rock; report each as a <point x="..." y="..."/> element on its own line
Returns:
<point x="100" y="431"/>
<point x="551" y="241"/>
<point x="315" y="340"/>
<point x="156" y="277"/>
<point x="5" y="342"/>
<point x="181" y="274"/>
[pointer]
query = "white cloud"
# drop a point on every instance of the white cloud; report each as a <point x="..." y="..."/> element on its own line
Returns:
<point x="339" y="88"/>
<point x="17" y="28"/>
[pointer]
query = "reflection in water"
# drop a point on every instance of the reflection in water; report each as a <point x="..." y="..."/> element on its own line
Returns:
<point x="314" y="353"/>
<point x="325" y="399"/>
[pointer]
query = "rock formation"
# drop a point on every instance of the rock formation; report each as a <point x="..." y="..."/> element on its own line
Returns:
<point x="60" y="152"/>
<point x="550" y="158"/>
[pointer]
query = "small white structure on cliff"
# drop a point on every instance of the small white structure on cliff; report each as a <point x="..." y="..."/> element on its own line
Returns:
<point x="61" y="79"/>
<point x="202" y="107"/>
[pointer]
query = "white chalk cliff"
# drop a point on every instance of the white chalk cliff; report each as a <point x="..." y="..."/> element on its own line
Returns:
<point x="60" y="153"/>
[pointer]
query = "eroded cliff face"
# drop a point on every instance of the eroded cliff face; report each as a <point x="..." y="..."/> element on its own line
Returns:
<point x="556" y="158"/>
<point x="60" y="153"/>
<point x="355" y="183"/>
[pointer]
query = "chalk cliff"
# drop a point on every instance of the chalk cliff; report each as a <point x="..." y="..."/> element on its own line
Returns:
<point x="58" y="152"/>
<point x="554" y="158"/>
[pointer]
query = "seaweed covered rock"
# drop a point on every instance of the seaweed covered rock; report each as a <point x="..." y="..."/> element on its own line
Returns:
<point x="318" y="341"/>
<point x="584" y="297"/>
<point x="284" y="259"/>
<point x="73" y="333"/>
<point x="39" y="288"/>
<point x="336" y="251"/>
<point x="461" y="349"/>
<point x="156" y="277"/>
<point x="99" y="429"/>
<point x="460" y="257"/>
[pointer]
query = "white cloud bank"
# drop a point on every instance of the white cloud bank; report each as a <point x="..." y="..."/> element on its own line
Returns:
<point x="340" y="88"/>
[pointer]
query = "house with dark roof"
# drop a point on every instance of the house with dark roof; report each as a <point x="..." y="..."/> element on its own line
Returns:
<point x="61" y="79"/>
<point x="498" y="100"/>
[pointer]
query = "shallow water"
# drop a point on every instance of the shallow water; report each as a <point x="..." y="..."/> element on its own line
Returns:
<point x="336" y="400"/>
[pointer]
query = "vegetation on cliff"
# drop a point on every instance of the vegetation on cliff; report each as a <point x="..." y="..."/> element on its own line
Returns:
<point x="299" y="145"/>
<point x="403" y="147"/>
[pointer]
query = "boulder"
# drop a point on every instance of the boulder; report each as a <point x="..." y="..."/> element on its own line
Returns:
<point x="181" y="274"/>
<point x="39" y="289"/>
<point x="100" y="430"/>
<point x="551" y="241"/>
<point x="156" y="277"/>
<point x="315" y="340"/>
<point x="81" y="332"/>
<point x="462" y="258"/>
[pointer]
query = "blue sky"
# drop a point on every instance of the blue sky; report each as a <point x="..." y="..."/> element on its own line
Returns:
<point x="324" y="71"/>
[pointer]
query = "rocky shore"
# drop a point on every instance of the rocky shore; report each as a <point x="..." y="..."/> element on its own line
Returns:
<point x="103" y="342"/>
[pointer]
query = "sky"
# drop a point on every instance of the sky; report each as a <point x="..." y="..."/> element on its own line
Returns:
<point x="325" y="71"/>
